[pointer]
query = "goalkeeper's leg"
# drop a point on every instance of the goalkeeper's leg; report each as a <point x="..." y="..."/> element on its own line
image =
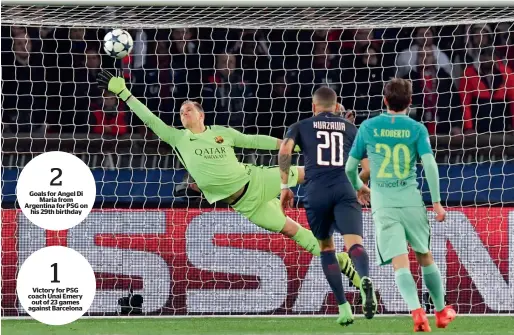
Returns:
<point x="306" y="240"/>
<point x="302" y="236"/>
<point x="270" y="217"/>
<point x="261" y="208"/>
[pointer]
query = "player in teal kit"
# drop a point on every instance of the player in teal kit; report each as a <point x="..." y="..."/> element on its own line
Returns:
<point x="207" y="152"/>
<point x="393" y="142"/>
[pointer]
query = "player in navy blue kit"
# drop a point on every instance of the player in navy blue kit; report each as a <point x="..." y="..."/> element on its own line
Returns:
<point x="331" y="203"/>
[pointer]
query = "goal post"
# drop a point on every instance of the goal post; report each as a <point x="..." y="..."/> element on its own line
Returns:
<point x="254" y="66"/>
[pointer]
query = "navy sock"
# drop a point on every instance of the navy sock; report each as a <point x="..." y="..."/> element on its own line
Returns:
<point x="360" y="259"/>
<point x="332" y="272"/>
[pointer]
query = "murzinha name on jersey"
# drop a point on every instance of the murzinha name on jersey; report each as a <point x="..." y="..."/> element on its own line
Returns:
<point x="325" y="125"/>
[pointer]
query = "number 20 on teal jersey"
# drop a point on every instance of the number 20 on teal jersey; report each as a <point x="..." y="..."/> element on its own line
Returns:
<point x="392" y="156"/>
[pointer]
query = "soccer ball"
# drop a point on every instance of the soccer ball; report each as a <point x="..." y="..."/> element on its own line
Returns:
<point x="118" y="43"/>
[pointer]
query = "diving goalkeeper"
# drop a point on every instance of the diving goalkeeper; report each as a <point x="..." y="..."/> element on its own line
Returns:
<point x="207" y="153"/>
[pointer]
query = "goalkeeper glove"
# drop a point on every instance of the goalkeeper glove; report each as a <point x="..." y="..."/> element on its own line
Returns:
<point x="116" y="85"/>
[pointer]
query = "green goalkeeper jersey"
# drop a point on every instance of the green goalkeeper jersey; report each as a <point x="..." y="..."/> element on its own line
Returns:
<point x="209" y="157"/>
<point x="393" y="144"/>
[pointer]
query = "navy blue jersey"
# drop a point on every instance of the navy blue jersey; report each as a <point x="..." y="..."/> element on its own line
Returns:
<point x="325" y="141"/>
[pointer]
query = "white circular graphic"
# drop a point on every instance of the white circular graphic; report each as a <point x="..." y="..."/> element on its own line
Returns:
<point x="56" y="190"/>
<point x="56" y="285"/>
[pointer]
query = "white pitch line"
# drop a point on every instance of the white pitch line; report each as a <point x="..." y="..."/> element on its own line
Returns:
<point x="249" y="316"/>
<point x="351" y="333"/>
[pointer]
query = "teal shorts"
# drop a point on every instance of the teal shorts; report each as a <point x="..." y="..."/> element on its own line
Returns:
<point x="260" y="204"/>
<point x="395" y="227"/>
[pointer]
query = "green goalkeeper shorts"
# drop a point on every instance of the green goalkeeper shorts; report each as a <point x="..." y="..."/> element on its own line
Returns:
<point x="395" y="227"/>
<point x="260" y="204"/>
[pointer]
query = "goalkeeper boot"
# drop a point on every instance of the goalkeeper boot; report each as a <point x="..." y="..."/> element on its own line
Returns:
<point x="445" y="317"/>
<point x="346" y="265"/>
<point x="369" y="298"/>
<point x="345" y="314"/>
<point x="420" y="321"/>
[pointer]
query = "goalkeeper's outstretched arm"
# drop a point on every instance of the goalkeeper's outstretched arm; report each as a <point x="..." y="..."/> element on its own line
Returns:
<point x="262" y="142"/>
<point x="117" y="86"/>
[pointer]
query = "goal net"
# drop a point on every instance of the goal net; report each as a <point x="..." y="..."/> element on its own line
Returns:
<point x="254" y="69"/>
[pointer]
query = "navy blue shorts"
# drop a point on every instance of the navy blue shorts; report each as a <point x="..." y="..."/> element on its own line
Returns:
<point x="333" y="208"/>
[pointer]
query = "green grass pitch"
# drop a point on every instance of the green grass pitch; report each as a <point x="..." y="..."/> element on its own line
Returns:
<point x="253" y="326"/>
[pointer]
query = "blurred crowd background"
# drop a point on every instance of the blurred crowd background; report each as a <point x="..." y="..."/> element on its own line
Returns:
<point x="258" y="81"/>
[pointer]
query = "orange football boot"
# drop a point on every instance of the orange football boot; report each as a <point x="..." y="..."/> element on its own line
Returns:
<point x="420" y="321"/>
<point x="445" y="317"/>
